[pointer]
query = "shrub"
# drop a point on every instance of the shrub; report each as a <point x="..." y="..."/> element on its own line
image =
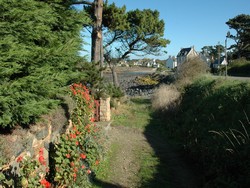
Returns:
<point x="146" y="80"/>
<point x="239" y="67"/>
<point x="166" y="98"/>
<point x="113" y="91"/>
<point x="189" y="70"/>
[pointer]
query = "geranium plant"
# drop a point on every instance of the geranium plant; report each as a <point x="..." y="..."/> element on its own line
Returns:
<point x="78" y="151"/>
<point x="31" y="171"/>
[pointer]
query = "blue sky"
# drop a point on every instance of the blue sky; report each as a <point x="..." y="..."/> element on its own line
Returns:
<point x="192" y="22"/>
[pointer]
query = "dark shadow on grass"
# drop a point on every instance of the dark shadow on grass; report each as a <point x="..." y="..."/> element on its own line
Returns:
<point x="173" y="170"/>
<point x="103" y="184"/>
<point x="141" y="101"/>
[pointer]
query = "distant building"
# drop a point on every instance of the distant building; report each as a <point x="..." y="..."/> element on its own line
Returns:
<point x="205" y="58"/>
<point x="216" y="64"/>
<point x="186" y="54"/>
<point x="171" y="62"/>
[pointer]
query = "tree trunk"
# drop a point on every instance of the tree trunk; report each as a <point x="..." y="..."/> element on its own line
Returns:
<point x="114" y="76"/>
<point x="96" y="46"/>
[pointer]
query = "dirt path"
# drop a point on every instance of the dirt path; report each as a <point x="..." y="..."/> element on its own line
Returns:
<point x="125" y="165"/>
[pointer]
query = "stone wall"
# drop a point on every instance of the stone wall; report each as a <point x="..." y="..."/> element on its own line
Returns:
<point x="28" y="141"/>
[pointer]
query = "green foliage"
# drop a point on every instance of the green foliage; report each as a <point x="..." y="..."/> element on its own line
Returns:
<point x="113" y="91"/>
<point x="239" y="67"/>
<point x="115" y="18"/>
<point x="39" y="48"/>
<point x="209" y="106"/>
<point x="212" y="51"/>
<point x="131" y="33"/>
<point x="241" y="24"/>
<point x="92" y="74"/>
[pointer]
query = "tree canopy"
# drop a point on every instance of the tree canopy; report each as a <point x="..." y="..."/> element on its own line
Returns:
<point x="241" y="24"/>
<point x="213" y="51"/>
<point x="128" y="33"/>
<point x="39" y="51"/>
<point x="134" y="34"/>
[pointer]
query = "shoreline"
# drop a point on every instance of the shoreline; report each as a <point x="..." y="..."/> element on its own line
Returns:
<point x="131" y="69"/>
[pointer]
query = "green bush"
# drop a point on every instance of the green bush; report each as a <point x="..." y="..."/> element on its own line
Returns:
<point x="39" y="46"/>
<point x="113" y="91"/>
<point x="239" y="67"/>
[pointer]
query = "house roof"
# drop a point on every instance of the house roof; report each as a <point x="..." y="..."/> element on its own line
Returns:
<point x="184" y="51"/>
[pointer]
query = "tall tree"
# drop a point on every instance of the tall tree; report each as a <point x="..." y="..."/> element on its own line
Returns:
<point x="241" y="24"/>
<point x="133" y="34"/>
<point x="213" y="52"/>
<point x="140" y="37"/>
<point x="95" y="10"/>
<point x="39" y="51"/>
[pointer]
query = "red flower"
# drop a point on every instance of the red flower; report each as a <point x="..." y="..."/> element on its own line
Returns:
<point x="83" y="166"/>
<point x="87" y="126"/>
<point x="92" y="119"/>
<point x="72" y="135"/>
<point x="41" y="151"/>
<point x="68" y="155"/>
<point x="74" y="175"/>
<point x="89" y="171"/>
<point x="19" y="159"/>
<point x="45" y="183"/>
<point x="72" y="164"/>
<point x="97" y="162"/>
<point x="42" y="160"/>
<point x="77" y="143"/>
<point x="83" y="156"/>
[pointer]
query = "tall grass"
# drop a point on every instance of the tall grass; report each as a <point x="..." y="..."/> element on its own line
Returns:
<point x="235" y="139"/>
<point x="166" y="98"/>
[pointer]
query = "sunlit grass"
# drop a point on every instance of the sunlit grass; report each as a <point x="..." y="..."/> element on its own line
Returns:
<point x="135" y="113"/>
<point x="104" y="172"/>
<point x="148" y="166"/>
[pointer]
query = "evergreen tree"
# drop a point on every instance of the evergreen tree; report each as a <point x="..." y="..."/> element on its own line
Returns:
<point x="241" y="24"/>
<point x="39" y="50"/>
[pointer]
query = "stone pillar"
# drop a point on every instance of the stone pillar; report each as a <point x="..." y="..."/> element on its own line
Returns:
<point x="105" y="114"/>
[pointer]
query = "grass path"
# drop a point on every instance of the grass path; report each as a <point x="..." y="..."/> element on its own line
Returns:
<point x="139" y="157"/>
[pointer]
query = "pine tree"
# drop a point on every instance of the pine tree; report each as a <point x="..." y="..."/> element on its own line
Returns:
<point x="39" y="50"/>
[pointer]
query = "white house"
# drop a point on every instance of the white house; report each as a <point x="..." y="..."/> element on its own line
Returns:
<point x="171" y="62"/>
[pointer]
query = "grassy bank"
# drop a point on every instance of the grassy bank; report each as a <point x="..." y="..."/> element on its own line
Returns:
<point x="211" y="123"/>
